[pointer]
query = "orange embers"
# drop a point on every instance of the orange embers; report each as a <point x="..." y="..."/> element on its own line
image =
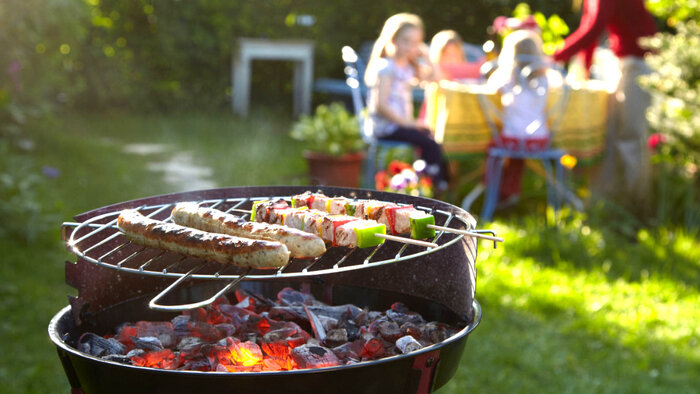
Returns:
<point x="259" y="334"/>
<point x="247" y="356"/>
<point x="164" y="359"/>
<point x="238" y="354"/>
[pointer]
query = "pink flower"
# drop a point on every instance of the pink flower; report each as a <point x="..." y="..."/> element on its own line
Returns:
<point x="500" y="23"/>
<point x="654" y="140"/>
<point x="14" y="67"/>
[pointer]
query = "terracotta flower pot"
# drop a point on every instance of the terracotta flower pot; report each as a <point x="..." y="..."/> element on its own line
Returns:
<point x="330" y="170"/>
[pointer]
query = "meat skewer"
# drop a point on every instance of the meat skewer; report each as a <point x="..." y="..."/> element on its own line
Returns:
<point x="339" y="230"/>
<point x="300" y="244"/>
<point x="400" y="219"/>
<point x="222" y="248"/>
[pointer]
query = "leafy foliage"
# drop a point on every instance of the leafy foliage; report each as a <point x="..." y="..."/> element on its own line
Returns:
<point x="25" y="217"/>
<point x="675" y="116"/>
<point x="674" y="11"/>
<point x="169" y="54"/>
<point x="553" y="28"/>
<point x="332" y="130"/>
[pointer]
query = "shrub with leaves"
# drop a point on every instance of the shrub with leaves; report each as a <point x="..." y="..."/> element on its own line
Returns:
<point x="674" y="117"/>
<point x="674" y="11"/>
<point x="24" y="217"/>
<point x="332" y="130"/>
<point x="553" y="28"/>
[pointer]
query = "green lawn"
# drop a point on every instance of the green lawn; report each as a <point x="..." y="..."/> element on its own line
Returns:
<point x="572" y="308"/>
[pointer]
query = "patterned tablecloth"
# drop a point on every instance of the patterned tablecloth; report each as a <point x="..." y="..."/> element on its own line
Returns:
<point x="453" y="111"/>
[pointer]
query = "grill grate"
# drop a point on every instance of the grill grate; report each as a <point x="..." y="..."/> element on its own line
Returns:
<point x="99" y="241"/>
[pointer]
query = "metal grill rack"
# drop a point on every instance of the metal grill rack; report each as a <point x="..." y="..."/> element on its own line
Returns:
<point x="99" y="241"/>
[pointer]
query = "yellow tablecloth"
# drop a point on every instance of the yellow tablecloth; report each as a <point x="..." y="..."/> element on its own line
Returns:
<point x="454" y="113"/>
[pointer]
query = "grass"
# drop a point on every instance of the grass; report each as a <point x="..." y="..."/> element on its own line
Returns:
<point x="580" y="307"/>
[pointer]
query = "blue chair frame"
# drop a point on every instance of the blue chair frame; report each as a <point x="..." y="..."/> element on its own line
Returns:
<point x="377" y="149"/>
<point x="550" y="157"/>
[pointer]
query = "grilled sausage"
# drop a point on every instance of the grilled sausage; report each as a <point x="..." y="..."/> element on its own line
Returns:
<point x="300" y="244"/>
<point x="222" y="248"/>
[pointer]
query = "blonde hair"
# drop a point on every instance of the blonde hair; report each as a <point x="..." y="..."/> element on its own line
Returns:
<point x="393" y="26"/>
<point x="521" y="48"/>
<point x="440" y="41"/>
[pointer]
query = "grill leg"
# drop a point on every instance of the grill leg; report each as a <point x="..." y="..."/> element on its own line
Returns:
<point x="426" y="364"/>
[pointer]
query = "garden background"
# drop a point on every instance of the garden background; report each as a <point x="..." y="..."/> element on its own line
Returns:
<point x="99" y="98"/>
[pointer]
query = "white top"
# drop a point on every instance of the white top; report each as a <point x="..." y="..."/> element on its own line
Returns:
<point x="400" y="97"/>
<point x="525" y="108"/>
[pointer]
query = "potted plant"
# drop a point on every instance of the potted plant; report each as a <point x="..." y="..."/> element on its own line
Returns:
<point x="334" y="146"/>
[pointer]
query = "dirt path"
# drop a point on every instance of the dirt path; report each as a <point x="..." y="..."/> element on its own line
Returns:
<point x="178" y="168"/>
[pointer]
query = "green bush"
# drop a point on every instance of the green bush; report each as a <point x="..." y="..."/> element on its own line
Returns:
<point x="674" y="11"/>
<point x="553" y="28"/>
<point x="24" y="216"/>
<point x="332" y="130"/>
<point x="675" y="117"/>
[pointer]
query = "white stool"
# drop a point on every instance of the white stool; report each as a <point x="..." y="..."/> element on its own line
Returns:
<point x="301" y="52"/>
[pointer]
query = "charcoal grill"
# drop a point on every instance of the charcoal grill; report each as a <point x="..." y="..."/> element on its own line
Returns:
<point x="119" y="281"/>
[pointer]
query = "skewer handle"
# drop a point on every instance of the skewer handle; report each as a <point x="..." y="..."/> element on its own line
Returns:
<point x="409" y="241"/>
<point x="465" y="232"/>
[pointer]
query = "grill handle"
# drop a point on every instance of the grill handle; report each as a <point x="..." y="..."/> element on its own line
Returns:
<point x="153" y="304"/>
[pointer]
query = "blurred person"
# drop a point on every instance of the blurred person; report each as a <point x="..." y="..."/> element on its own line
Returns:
<point x="625" y="171"/>
<point x="399" y="60"/>
<point x="521" y="78"/>
<point x="447" y="54"/>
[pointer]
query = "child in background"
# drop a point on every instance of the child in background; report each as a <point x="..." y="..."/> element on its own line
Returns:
<point x="397" y="62"/>
<point x="447" y="53"/>
<point x="521" y="78"/>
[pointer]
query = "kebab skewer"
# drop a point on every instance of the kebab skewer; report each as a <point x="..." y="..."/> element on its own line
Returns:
<point x="399" y="219"/>
<point x="338" y="230"/>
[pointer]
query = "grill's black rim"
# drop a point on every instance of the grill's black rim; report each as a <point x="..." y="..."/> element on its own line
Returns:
<point x="58" y="341"/>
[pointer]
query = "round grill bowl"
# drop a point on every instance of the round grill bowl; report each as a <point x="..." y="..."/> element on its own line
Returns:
<point x="420" y="371"/>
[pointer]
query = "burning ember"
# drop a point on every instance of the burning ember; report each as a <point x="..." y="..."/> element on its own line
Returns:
<point x="258" y="334"/>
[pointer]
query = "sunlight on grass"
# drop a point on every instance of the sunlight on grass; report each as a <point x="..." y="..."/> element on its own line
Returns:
<point x="577" y="308"/>
<point x="653" y="307"/>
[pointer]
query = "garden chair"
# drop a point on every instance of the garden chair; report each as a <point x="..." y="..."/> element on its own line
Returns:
<point x="549" y="157"/>
<point x="378" y="150"/>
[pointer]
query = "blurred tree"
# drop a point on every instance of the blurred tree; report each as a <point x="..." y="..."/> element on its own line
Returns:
<point x="177" y="53"/>
<point x="40" y="63"/>
<point x="170" y="54"/>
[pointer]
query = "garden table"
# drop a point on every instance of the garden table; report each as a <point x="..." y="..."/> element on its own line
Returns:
<point x="454" y="113"/>
<point x="301" y="52"/>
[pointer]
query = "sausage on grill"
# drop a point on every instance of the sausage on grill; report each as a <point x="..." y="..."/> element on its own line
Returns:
<point x="222" y="248"/>
<point x="300" y="244"/>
